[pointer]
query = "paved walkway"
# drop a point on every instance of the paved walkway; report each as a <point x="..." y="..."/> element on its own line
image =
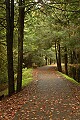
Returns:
<point x="51" y="99"/>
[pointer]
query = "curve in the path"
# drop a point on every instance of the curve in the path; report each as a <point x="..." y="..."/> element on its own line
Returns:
<point x="52" y="99"/>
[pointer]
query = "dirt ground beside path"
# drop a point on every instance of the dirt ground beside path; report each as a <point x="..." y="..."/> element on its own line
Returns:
<point x="48" y="97"/>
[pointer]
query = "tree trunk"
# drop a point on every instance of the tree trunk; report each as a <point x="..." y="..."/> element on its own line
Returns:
<point x="74" y="57"/>
<point x="66" y="61"/>
<point x="50" y="61"/>
<point x="59" y="58"/>
<point x="71" y="58"/>
<point x="9" y="40"/>
<point x="78" y="57"/>
<point x="20" y="45"/>
<point x="56" y="54"/>
<point x="46" y="59"/>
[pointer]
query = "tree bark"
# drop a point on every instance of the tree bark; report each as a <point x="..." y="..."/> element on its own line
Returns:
<point x="20" y="45"/>
<point x="59" y="57"/>
<point x="9" y="40"/>
<point x="50" y="61"/>
<point x="56" y="53"/>
<point x="74" y="57"/>
<point x="46" y="59"/>
<point x="66" y="61"/>
<point x="71" y="58"/>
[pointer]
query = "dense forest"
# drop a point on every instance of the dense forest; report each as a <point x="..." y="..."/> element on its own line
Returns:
<point x="41" y="32"/>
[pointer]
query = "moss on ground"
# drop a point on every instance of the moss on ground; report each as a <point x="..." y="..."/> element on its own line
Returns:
<point x="26" y="79"/>
<point x="69" y="78"/>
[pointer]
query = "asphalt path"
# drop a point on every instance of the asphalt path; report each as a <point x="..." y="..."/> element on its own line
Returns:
<point x="51" y="98"/>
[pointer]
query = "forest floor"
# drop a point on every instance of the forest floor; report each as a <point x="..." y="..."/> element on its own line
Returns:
<point x="49" y="97"/>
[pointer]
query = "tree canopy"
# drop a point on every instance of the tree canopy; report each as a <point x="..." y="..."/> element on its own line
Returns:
<point x="37" y="31"/>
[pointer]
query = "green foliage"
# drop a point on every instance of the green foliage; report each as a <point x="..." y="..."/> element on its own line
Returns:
<point x="69" y="78"/>
<point x="26" y="79"/>
<point x="27" y="76"/>
<point x="38" y="60"/>
<point x="3" y="64"/>
<point x="44" y="24"/>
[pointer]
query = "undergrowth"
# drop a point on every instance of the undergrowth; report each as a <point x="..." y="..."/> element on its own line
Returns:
<point x="69" y="78"/>
<point x="26" y="79"/>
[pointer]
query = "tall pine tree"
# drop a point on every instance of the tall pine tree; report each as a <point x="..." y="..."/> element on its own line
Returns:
<point x="20" y="44"/>
<point x="9" y="40"/>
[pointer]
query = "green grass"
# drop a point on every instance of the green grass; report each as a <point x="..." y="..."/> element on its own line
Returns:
<point x="26" y="79"/>
<point x="69" y="78"/>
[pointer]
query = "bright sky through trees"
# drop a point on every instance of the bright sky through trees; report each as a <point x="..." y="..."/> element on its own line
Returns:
<point x="36" y="0"/>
